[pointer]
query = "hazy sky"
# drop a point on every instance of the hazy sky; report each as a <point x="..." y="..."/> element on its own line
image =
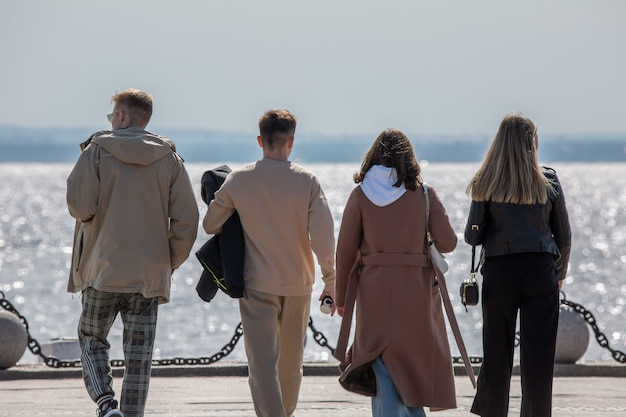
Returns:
<point x="342" y="66"/>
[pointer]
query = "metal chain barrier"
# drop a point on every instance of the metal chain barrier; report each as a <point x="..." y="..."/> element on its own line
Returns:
<point x="586" y="315"/>
<point x="225" y="351"/>
<point x="53" y="362"/>
<point x="318" y="336"/>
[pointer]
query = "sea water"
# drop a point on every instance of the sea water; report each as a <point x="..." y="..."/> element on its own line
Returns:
<point x="36" y="240"/>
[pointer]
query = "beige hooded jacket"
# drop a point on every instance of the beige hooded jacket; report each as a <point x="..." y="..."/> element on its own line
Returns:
<point x="135" y="210"/>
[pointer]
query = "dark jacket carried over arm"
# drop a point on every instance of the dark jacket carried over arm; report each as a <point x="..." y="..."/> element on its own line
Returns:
<point x="222" y="256"/>
<point x="504" y="228"/>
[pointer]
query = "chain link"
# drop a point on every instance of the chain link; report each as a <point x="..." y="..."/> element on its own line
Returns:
<point x="320" y="338"/>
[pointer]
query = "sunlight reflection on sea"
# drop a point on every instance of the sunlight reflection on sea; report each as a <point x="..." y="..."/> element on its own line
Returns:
<point x="36" y="238"/>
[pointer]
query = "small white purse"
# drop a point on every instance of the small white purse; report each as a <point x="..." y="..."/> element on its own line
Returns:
<point x="437" y="258"/>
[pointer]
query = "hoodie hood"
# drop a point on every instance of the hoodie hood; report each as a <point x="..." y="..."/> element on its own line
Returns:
<point x="378" y="185"/>
<point x="133" y="145"/>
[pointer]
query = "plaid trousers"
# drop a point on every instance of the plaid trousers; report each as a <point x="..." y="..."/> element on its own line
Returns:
<point x="139" y="317"/>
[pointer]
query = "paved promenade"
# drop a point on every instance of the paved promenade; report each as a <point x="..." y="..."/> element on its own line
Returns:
<point x="222" y="390"/>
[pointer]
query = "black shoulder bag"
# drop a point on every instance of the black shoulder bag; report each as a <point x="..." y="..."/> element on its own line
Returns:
<point x="469" y="287"/>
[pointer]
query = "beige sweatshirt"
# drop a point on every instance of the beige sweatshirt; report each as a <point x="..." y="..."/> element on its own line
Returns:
<point x="285" y="219"/>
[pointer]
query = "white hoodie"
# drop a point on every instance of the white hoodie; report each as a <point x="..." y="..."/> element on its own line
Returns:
<point x="378" y="185"/>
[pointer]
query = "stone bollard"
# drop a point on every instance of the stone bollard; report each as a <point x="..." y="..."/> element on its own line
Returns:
<point x="572" y="337"/>
<point x="13" y="339"/>
<point x="66" y="348"/>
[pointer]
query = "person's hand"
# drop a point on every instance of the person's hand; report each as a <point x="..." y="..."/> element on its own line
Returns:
<point x="331" y="294"/>
<point x="560" y="284"/>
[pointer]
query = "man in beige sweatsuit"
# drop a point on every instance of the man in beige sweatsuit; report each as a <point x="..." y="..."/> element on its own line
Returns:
<point x="285" y="217"/>
<point x="136" y="221"/>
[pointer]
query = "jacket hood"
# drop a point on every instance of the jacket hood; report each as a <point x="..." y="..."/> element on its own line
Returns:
<point x="133" y="145"/>
<point x="378" y="185"/>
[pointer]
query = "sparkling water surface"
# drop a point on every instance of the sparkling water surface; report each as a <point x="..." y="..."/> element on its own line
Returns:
<point x="36" y="239"/>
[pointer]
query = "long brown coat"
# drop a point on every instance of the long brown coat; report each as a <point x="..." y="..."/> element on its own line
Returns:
<point x="399" y="313"/>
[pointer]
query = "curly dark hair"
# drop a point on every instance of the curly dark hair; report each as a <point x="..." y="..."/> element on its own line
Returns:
<point x="394" y="150"/>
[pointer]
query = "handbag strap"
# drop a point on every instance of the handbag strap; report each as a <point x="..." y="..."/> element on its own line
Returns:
<point x="445" y="297"/>
<point x="474" y="270"/>
<point x="454" y="325"/>
<point x="476" y="266"/>
<point x="425" y="188"/>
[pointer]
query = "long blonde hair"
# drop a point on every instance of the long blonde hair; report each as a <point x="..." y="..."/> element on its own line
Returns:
<point x="510" y="172"/>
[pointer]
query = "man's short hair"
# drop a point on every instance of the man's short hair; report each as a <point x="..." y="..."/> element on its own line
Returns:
<point x="276" y="127"/>
<point x="138" y="104"/>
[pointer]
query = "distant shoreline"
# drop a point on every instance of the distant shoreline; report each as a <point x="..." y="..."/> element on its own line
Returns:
<point x="310" y="152"/>
<point x="19" y="144"/>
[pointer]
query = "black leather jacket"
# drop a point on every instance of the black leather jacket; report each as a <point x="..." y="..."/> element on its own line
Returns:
<point x="504" y="228"/>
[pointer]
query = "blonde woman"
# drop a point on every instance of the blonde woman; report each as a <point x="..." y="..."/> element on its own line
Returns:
<point x="519" y="217"/>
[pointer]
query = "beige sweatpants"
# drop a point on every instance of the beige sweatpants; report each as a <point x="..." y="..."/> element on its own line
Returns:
<point x="274" y="328"/>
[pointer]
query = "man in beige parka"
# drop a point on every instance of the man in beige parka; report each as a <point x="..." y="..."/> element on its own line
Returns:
<point x="136" y="221"/>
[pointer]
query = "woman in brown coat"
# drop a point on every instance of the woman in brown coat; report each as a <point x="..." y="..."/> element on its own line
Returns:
<point x="400" y="355"/>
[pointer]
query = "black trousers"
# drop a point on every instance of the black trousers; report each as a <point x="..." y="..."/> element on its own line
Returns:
<point x="526" y="283"/>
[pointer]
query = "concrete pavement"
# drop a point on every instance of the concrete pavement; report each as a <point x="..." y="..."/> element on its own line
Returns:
<point x="222" y="390"/>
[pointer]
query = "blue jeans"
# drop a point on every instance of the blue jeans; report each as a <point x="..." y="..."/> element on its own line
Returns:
<point x="387" y="402"/>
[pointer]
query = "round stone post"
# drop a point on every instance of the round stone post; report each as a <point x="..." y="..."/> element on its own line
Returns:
<point x="13" y="339"/>
<point x="572" y="337"/>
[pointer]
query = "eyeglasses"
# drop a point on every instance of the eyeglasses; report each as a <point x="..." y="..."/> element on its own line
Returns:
<point x="110" y="115"/>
